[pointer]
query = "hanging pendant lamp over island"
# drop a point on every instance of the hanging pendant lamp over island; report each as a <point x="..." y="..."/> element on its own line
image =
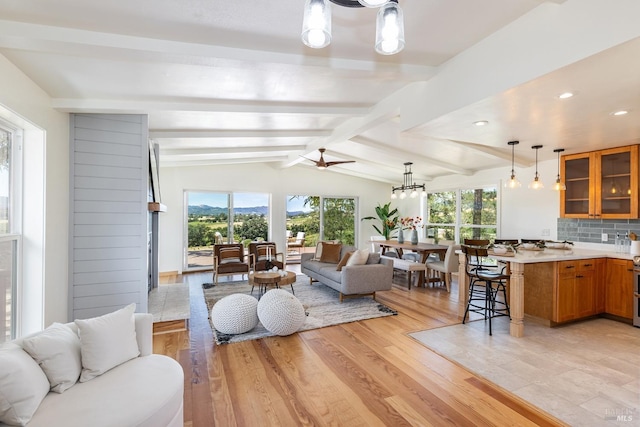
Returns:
<point x="316" y="24"/>
<point x="559" y="185"/>
<point x="536" y="184"/>
<point x="513" y="181"/>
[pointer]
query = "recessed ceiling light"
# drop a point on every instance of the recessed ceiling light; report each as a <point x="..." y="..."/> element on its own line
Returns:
<point x="481" y="123"/>
<point x="619" y="113"/>
<point x="565" y="95"/>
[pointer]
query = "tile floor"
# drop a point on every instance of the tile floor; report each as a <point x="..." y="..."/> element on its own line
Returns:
<point x="586" y="373"/>
<point x="170" y="302"/>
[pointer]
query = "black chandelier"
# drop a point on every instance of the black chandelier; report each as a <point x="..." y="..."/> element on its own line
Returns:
<point x="408" y="185"/>
<point x="316" y="25"/>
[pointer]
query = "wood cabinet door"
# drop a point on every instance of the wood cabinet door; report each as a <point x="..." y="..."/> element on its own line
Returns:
<point x="601" y="280"/>
<point x="566" y="307"/>
<point x="616" y="193"/>
<point x="619" y="288"/>
<point x="577" y="201"/>
<point x="586" y="289"/>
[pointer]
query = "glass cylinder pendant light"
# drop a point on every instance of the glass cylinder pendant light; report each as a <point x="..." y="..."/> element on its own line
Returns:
<point x="513" y="181"/>
<point x="536" y="184"/>
<point x="316" y="25"/>
<point x="372" y="3"/>
<point x="390" y="29"/>
<point x="559" y="185"/>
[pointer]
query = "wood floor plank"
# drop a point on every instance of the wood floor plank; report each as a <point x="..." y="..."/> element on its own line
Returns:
<point x="368" y="373"/>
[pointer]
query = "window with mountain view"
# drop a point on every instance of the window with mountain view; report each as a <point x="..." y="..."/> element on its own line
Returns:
<point x="223" y="218"/>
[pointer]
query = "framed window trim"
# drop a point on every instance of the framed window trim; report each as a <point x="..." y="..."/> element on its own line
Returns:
<point x="230" y="222"/>
<point x="458" y="225"/>
<point x="13" y="234"/>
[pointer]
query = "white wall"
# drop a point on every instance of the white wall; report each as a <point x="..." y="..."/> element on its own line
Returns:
<point x="260" y="178"/>
<point x="46" y="197"/>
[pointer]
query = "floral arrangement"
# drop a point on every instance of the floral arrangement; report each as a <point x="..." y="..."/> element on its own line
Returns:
<point x="411" y="223"/>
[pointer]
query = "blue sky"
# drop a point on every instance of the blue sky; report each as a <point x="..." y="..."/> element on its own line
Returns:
<point x="241" y="200"/>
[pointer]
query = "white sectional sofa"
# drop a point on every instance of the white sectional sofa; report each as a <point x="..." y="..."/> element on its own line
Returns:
<point x="144" y="391"/>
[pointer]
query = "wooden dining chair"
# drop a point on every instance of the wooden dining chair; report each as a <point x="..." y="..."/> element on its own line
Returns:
<point x="476" y="242"/>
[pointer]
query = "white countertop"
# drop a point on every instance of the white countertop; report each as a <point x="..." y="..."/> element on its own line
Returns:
<point x="524" y="256"/>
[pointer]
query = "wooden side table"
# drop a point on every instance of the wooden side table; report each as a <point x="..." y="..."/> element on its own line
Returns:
<point x="269" y="278"/>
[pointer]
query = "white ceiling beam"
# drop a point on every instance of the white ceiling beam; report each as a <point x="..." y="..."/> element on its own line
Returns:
<point x="239" y="133"/>
<point x="492" y="152"/>
<point x="412" y="155"/>
<point x="127" y="106"/>
<point x="70" y="41"/>
<point x="351" y="172"/>
<point x="348" y="130"/>
<point x="215" y="151"/>
<point x="173" y="162"/>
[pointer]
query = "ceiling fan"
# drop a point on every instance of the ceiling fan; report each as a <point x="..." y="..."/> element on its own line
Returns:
<point x="321" y="164"/>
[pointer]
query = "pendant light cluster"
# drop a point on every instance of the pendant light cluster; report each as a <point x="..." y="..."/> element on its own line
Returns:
<point x="408" y="185"/>
<point x="537" y="183"/>
<point x="316" y="25"/>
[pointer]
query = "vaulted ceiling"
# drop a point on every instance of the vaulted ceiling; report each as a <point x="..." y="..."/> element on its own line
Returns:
<point x="231" y="82"/>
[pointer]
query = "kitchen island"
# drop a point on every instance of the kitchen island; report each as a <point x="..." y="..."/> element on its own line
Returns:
<point x="546" y="273"/>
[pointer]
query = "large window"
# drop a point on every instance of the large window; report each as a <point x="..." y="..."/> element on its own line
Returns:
<point x="462" y="214"/>
<point x="320" y="218"/>
<point x="222" y="218"/>
<point x="10" y="206"/>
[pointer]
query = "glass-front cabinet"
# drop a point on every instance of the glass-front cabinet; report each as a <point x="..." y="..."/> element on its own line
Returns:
<point x="601" y="184"/>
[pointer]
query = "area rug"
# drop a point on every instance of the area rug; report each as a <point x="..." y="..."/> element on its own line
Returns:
<point x="585" y="373"/>
<point x="322" y="307"/>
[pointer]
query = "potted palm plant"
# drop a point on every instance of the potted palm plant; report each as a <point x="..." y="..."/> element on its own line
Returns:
<point x="388" y="218"/>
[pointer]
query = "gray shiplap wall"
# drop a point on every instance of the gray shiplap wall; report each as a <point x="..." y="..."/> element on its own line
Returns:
<point x="109" y="180"/>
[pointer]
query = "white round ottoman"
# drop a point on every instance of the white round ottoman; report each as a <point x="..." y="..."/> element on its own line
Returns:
<point x="235" y="314"/>
<point x="280" y="312"/>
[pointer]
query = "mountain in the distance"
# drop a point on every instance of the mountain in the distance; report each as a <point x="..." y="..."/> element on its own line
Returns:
<point x="206" y="210"/>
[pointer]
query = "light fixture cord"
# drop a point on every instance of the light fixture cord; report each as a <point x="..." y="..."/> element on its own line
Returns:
<point x="513" y="153"/>
<point x="536" y="164"/>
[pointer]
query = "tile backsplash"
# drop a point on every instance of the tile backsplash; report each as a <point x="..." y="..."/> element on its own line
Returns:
<point x="591" y="230"/>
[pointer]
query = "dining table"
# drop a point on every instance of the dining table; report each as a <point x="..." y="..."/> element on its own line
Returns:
<point x="424" y="249"/>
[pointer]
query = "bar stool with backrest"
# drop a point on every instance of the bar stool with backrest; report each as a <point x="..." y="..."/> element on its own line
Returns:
<point x="476" y="242"/>
<point x="484" y="286"/>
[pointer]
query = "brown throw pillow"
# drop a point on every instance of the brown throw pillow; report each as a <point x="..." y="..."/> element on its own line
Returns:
<point x="331" y="252"/>
<point x="343" y="261"/>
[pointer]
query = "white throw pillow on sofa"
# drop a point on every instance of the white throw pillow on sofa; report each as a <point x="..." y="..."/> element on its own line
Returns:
<point x="359" y="257"/>
<point x="23" y="385"/>
<point x="57" y="351"/>
<point x="107" y="341"/>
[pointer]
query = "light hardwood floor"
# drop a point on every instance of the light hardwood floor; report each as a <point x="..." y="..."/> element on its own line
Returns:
<point x="367" y="373"/>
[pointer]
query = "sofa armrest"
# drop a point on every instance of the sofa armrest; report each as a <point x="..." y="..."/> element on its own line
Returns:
<point x="144" y="332"/>
<point x="306" y="257"/>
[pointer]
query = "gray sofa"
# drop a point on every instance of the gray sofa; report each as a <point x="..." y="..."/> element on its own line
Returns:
<point x="352" y="281"/>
